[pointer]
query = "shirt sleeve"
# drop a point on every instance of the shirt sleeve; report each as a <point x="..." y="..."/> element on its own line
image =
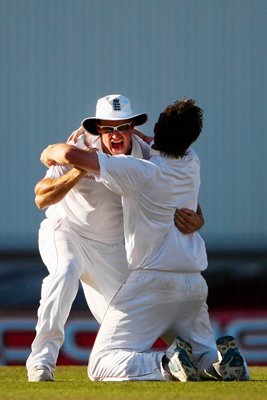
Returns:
<point x="124" y="174"/>
<point x="56" y="171"/>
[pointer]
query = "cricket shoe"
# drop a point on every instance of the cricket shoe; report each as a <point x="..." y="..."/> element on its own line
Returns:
<point x="232" y="366"/>
<point x="40" y="373"/>
<point x="179" y="363"/>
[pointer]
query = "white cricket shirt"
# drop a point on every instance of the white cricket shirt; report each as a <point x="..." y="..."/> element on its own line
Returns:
<point x="89" y="208"/>
<point x="151" y="191"/>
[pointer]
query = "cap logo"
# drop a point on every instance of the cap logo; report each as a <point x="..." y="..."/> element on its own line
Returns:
<point x="116" y="105"/>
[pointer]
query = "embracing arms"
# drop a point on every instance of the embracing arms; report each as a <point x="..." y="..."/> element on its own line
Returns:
<point x="50" y="191"/>
<point x="188" y="221"/>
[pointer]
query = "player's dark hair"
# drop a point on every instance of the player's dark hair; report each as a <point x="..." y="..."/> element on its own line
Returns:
<point x="178" y="126"/>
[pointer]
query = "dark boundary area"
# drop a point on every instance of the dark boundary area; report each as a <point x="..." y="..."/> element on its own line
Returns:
<point x="236" y="280"/>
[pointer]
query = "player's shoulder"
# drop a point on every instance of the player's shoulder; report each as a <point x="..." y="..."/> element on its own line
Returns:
<point x="192" y="154"/>
<point x="95" y="142"/>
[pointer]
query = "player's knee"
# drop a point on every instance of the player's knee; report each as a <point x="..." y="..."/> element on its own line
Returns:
<point x="98" y="366"/>
<point x="93" y="369"/>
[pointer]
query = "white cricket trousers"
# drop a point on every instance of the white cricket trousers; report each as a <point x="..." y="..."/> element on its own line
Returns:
<point x="149" y="305"/>
<point x="70" y="258"/>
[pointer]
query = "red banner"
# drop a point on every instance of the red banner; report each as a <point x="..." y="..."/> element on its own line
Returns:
<point x="17" y="333"/>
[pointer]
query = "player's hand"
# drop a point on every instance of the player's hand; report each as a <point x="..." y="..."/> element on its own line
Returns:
<point x="45" y="157"/>
<point x="188" y="221"/>
<point x="54" y="154"/>
<point x="73" y="138"/>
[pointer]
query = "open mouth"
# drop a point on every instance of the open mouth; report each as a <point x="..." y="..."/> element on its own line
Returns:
<point x="117" y="145"/>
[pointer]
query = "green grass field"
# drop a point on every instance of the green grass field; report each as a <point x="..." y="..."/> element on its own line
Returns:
<point x="72" y="384"/>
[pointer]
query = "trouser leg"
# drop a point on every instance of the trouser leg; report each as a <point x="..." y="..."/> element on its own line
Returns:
<point x="144" y="308"/>
<point x="108" y="270"/>
<point x="58" y="292"/>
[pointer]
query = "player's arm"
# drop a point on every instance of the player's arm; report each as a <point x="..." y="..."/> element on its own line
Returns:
<point x="66" y="154"/>
<point x="188" y="221"/>
<point x="50" y="191"/>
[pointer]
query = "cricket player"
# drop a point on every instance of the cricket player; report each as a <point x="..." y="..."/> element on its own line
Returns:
<point x="165" y="291"/>
<point x="82" y="238"/>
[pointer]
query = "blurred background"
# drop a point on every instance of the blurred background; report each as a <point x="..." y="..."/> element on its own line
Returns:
<point x="57" y="58"/>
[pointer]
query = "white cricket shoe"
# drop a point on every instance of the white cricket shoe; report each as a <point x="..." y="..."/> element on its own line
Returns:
<point x="40" y="373"/>
<point x="179" y="361"/>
